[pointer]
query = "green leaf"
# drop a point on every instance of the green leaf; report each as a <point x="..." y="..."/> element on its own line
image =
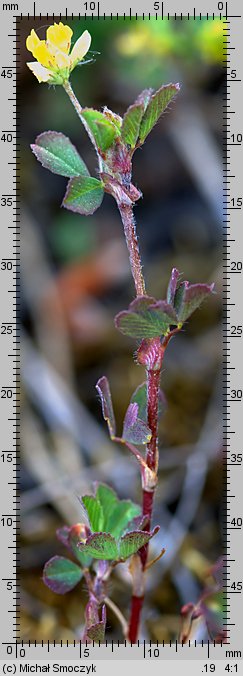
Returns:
<point x="133" y="117"/>
<point x="158" y="103"/>
<point x="103" y="389"/>
<point x="146" y="318"/>
<point x="189" y="297"/>
<point x="101" y="546"/>
<point x="56" y="153"/>
<point x="94" y="511"/>
<point x="102" y="129"/>
<point x="132" y="542"/>
<point x="83" y="195"/>
<point x="122" y="514"/>
<point x="61" y="575"/>
<point x="135" y="430"/>
<point x="78" y="533"/>
<point x="131" y="124"/>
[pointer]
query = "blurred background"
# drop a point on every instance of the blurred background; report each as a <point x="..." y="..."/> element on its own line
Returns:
<point x="75" y="278"/>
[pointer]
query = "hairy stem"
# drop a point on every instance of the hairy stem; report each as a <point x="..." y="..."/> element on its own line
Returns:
<point x="153" y="384"/>
<point x="128" y="220"/>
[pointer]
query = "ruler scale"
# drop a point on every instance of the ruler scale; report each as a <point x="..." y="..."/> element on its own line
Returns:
<point x="205" y="653"/>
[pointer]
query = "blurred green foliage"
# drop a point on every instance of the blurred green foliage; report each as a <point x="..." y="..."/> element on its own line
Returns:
<point x="72" y="237"/>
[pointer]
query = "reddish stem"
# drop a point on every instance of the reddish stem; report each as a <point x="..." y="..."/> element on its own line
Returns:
<point x="129" y="225"/>
<point x="136" y="608"/>
<point x="153" y="384"/>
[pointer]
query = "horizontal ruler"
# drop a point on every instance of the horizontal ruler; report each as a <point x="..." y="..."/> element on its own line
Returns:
<point x="142" y="651"/>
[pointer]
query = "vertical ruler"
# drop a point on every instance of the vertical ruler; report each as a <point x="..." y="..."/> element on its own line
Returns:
<point x="9" y="326"/>
<point x="232" y="511"/>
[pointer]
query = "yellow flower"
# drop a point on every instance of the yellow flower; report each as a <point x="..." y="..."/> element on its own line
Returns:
<point x="54" y="62"/>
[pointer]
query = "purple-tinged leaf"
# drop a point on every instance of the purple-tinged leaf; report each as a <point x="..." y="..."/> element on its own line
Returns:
<point x="61" y="575"/>
<point x="94" y="511"/>
<point x="172" y="286"/>
<point x="157" y="105"/>
<point x="56" y="153"/>
<point x="135" y="430"/>
<point x="189" y="297"/>
<point x="91" y="611"/>
<point x="100" y="546"/>
<point x="63" y="535"/>
<point x="132" y="542"/>
<point x="84" y="195"/>
<point x="146" y="318"/>
<point x="96" y="632"/>
<point x="103" y="389"/>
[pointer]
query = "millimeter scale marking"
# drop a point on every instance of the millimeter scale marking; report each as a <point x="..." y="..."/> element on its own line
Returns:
<point x="232" y="381"/>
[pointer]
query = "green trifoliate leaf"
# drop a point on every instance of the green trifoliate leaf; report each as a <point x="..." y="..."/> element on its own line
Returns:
<point x="157" y="105"/>
<point x="146" y="318"/>
<point x="107" y="513"/>
<point x="135" y="430"/>
<point x="84" y="195"/>
<point x="189" y="297"/>
<point x="61" y="575"/>
<point x="103" y="130"/>
<point x="56" y="153"/>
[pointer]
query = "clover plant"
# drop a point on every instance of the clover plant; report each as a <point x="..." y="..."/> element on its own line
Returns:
<point x="114" y="530"/>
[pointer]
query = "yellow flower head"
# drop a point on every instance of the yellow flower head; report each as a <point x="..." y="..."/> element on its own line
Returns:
<point x="54" y="62"/>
